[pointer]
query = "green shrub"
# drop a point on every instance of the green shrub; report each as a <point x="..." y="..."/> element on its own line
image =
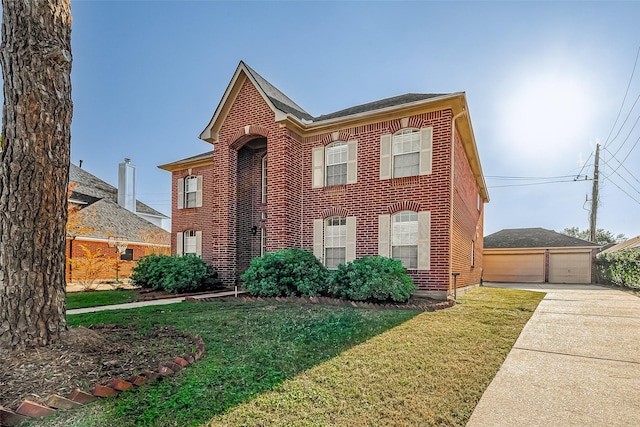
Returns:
<point x="372" y="278"/>
<point x="620" y="268"/>
<point x="287" y="272"/>
<point x="174" y="273"/>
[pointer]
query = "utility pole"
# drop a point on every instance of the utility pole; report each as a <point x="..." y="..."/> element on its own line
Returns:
<point x="594" y="194"/>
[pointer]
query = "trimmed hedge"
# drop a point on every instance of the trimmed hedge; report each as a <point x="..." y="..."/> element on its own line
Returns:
<point x="287" y="272"/>
<point x="174" y="274"/>
<point x="620" y="268"/>
<point x="372" y="278"/>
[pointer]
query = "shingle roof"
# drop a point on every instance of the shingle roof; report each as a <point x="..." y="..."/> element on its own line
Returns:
<point x="106" y="218"/>
<point x="532" y="238"/>
<point x="632" y="243"/>
<point x="285" y="104"/>
<point x="90" y="185"/>
<point x="378" y="105"/>
<point x="281" y="101"/>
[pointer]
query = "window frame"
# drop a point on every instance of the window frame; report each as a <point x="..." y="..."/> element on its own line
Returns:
<point x="263" y="178"/>
<point x="344" y="153"/>
<point x="413" y="264"/>
<point x="342" y="238"/>
<point x="193" y="191"/>
<point x="190" y="236"/>
<point x="414" y="152"/>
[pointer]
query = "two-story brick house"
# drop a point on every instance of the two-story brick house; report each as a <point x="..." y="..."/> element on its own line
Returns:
<point x="400" y="177"/>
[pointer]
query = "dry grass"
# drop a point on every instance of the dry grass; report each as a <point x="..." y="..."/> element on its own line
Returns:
<point x="431" y="370"/>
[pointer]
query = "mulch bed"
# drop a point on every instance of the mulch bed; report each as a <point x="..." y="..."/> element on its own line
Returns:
<point x="84" y="357"/>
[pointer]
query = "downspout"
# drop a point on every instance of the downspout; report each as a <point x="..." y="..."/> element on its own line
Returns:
<point x="452" y="189"/>
<point x="301" y="193"/>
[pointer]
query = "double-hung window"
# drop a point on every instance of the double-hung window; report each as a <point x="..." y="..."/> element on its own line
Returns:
<point x="336" y="173"/>
<point x="335" y="241"/>
<point x="335" y="164"/>
<point x="189" y="242"/>
<point x="190" y="192"/>
<point x="407" y="152"/>
<point x="404" y="238"/>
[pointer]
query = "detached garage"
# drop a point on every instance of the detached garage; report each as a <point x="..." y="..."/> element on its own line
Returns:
<point x="536" y="255"/>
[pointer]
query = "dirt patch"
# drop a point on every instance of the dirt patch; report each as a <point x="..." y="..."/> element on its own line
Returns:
<point x="84" y="357"/>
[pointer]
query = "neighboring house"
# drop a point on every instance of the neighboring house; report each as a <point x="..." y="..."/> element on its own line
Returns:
<point x="399" y="177"/>
<point x="99" y="217"/>
<point x="632" y="243"/>
<point x="536" y="255"/>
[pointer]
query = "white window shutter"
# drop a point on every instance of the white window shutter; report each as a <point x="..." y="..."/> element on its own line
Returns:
<point x="352" y="162"/>
<point x="318" y="239"/>
<point x="179" y="244"/>
<point x="199" y="192"/>
<point x="318" y="167"/>
<point x="384" y="224"/>
<point x="180" y="193"/>
<point x="351" y="239"/>
<point x="385" y="157"/>
<point x="426" y="150"/>
<point x="199" y="243"/>
<point x="424" y="240"/>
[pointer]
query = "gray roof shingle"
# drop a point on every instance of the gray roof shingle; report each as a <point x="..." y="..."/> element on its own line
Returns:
<point x="378" y="105"/>
<point x="90" y="185"/>
<point x="106" y="218"/>
<point x="532" y="238"/>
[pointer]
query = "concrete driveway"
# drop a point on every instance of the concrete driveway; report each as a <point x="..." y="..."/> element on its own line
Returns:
<point x="576" y="362"/>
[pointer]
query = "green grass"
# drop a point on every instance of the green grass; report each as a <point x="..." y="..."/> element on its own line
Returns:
<point x="250" y="348"/>
<point x="431" y="370"/>
<point x="97" y="298"/>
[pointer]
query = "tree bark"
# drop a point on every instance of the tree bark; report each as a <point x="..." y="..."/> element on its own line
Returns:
<point x="34" y="170"/>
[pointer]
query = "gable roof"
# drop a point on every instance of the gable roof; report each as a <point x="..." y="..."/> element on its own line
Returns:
<point x="532" y="238"/>
<point x="92" y="186"/>
<point x="290" y="115"/>
<point x="106" y="218"/>
<point x="632" y="243"/>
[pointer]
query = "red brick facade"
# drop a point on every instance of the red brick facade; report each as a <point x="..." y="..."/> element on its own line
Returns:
<point x="232" y="194"/>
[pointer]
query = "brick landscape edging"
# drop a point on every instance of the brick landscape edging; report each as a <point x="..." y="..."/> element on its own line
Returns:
<point x="428" y="306"/>
<point x="30" y="409"/>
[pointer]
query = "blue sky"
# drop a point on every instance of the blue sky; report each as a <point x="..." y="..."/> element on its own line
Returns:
<point x="544" y="80"/>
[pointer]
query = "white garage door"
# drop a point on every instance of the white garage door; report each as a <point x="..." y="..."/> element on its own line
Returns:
<point x="570" y="268"/>
<point x="527" y="268"/>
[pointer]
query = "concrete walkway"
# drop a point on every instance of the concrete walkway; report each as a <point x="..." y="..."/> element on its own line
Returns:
<point x="152" y="302"/>
<point x="576" y="363"/>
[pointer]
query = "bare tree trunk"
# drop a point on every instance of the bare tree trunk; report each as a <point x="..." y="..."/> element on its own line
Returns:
<point x="34" y="170"/>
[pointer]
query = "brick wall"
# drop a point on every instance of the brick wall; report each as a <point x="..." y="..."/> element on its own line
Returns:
<point x="232" y="193"/>
<point x="467" y="221"/>
<point x="125" y="267"/>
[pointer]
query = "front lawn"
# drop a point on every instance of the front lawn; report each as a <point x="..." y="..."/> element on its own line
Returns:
<point x="292" y="365"/>
<point x="431" y="370"/>
<point x="98" y="298"/>
<point x="250" y="348"/>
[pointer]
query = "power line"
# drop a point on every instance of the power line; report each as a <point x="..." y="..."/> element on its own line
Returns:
<point x="620" y="188"/>
<point x="584" y="165"/>
<point x="622" y="166"/>
<point x="625" y="157"/>
<point x="535" y="183"/>
<point x="624" y="99"/>
<point x="527" y="177"/>
<point x="630" y="130"/>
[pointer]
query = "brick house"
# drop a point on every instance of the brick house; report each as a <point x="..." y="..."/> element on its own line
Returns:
<point x="399" y="177"/>
<point x="103" y="211"/>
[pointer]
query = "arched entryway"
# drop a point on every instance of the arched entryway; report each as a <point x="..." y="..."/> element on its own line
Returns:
<point x="251" y="199"/>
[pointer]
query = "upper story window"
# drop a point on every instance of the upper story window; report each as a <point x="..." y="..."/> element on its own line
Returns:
<point x="404" y="238"/>
<point x="335" y="164"/>
<point x="406" y="153"/>
<point x="190" y="192"/>
<point x="335" y="241"/>
<point x="264" y="179"/>
<point x="336" y="173"/>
